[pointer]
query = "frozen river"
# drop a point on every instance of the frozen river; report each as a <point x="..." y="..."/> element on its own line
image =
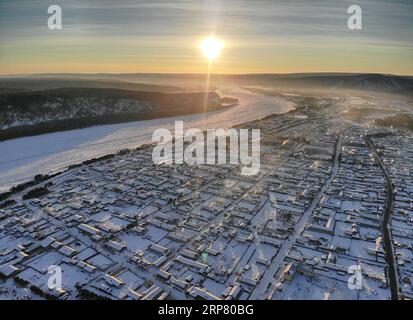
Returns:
<point x="21" y="159"/>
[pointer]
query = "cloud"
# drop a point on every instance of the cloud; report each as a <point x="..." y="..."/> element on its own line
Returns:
<point x="156" y="24"/>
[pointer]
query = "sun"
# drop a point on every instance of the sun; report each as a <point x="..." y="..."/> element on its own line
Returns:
<point x="211" y="48"/>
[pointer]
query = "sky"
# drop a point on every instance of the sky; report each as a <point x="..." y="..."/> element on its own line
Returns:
<point x="260" y="36"/>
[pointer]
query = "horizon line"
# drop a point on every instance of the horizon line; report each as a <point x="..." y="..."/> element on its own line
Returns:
<point x="202" y="74"/>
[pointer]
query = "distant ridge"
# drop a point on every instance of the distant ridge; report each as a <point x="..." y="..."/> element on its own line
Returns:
<point x="34" y="83"/>
<point x="384" y="83"/>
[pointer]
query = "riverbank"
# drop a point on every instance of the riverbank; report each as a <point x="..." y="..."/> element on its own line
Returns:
<point x="23" y="158"/>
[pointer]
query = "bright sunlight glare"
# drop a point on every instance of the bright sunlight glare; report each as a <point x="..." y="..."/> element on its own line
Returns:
<point x="211" y="48"/>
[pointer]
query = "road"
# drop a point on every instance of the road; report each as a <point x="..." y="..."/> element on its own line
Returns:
<point x="287" y="245"/>
<point x="390" y="257"/>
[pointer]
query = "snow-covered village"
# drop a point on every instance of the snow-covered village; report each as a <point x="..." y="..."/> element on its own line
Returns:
<point x="316" y="215"/>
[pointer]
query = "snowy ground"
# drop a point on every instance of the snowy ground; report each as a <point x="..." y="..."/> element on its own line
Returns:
<point x="21" y="159"/>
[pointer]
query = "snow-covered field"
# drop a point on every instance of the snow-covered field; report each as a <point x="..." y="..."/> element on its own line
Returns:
<point x="21" y="159"/>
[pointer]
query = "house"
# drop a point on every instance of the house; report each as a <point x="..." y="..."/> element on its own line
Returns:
<point x="68" y="251"/>
<point x="115" y="245"/>
<point x="289" y="272"/>
<point x="8" y="270"/>
<point x="202" y="293"/>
